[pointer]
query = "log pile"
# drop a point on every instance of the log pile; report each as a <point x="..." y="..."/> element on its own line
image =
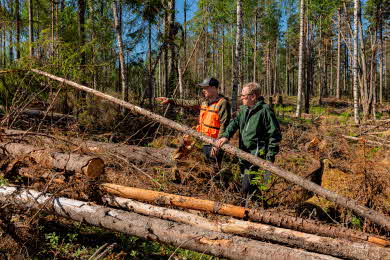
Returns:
<point x="221" y="237"/>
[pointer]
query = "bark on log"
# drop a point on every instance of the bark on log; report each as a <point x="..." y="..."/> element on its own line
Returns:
<point x="324" y="245"/>
<point x="348" y="203"/>
<point x="89" y="165"/>
<point x="180" y="235"/>
<point x="308" y="226"/>
<point x="131" y="153"/>
<point x="40" y="113"/>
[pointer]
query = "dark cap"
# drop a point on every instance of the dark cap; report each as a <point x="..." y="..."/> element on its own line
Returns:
<point x="209" y="82"/>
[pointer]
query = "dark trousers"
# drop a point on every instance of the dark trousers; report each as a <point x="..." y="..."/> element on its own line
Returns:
<point x="216" y="161"/>
<point x="245" y="175"/>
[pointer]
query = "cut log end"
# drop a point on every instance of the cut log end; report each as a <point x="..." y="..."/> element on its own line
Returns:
<point x="94" y="168"/>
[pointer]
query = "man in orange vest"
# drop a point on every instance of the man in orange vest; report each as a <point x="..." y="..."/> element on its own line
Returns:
<point x="213" y="119"/>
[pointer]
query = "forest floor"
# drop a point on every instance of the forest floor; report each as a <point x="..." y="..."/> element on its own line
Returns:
<point x="316" y="147"/>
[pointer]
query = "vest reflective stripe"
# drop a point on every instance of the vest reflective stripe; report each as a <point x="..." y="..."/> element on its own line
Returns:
<point x="209" y="123"/>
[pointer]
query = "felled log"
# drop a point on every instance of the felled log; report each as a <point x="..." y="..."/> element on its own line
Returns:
<point x="131" y="153"/>
<point x="348" y="203"/>
<point x="303" y="225"/>
<point x="324" y="245"/>
<point x="177" y="234"/>
<point x="40" y="113"/>
<point x="175" y="200"/>
<point x="89" y="165"/>
<point x="369" y="142"/>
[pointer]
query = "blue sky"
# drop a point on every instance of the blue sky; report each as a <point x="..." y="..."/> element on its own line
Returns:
<point x="192" y="6"/>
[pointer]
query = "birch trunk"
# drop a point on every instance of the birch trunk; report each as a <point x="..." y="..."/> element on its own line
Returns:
<point x="237" y="61"/>
<point x="118" y="32"/>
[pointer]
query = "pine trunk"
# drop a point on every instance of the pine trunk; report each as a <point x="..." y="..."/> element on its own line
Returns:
<point x="338" y="71"/>
<point x="300" y="57"/>
<point x="30" y="27"/>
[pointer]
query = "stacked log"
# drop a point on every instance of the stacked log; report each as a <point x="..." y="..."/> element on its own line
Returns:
<point x="90" y="166"/>
<point x="295" y="223"/>
<point x="325" y="245"/>
<point x="130" y="153"/>
<point x="177" y="234"/>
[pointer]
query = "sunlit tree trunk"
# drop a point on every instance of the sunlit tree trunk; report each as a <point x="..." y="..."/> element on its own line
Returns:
<point x="237" y="72"/>
<point x="172" y="46"/>
<point x="150" y="78"/>
<point x="81" y="28"/>
<point x="300" y="57"/>
<point x="17" y="16"/>
<point x="185" y="31"/>
<point x="30" y="27"/>
<point x="223" y="62"/>
<point x="125" y="89"/>
<point x="338" y="71"/>
<point x="10" y="35"/>
<point x="255" y="47"/>
<point x="93" y="38"/>
<point x="381" y="50"/>
<point x="355" y="63"/>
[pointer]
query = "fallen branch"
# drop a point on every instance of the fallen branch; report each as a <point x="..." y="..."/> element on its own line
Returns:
<point x="324" y="245"/>
<point x="308" y="226"/>
<point x="91" y="166"/>
<point x="180" y="235"/>
<point x="370" y="142"/>
<point x="348" y="203"/>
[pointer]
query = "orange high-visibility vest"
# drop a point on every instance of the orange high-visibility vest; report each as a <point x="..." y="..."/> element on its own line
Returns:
<point x="209" y="123"/>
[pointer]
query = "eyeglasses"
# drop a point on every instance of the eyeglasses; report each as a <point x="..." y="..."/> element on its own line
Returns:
<point x="246" y="95"/>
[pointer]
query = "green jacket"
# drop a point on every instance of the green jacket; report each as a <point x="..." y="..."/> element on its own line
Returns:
<point x="259" y="130"/>
<point x="224" y="112"/>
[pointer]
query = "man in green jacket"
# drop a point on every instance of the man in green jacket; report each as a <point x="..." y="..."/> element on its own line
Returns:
<point x="259" y="133"/>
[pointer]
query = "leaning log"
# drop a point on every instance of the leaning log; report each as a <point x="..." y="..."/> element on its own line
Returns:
<point x="130" y="153"/>
<point x="303" y="225"/>
<point x="314" y="243"/>
<point x="91" y="166"/>
<point x="177" y="234"/>
<point x="348" y="203"/>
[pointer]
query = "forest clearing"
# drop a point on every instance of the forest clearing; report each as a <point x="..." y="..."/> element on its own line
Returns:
<point x="127" y="128"/>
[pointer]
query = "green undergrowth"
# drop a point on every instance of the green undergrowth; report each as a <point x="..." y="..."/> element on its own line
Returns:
<point x="74" y="240"/>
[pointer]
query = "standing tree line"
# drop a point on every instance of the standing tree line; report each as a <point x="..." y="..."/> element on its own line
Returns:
<point x="138" y="49"/>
